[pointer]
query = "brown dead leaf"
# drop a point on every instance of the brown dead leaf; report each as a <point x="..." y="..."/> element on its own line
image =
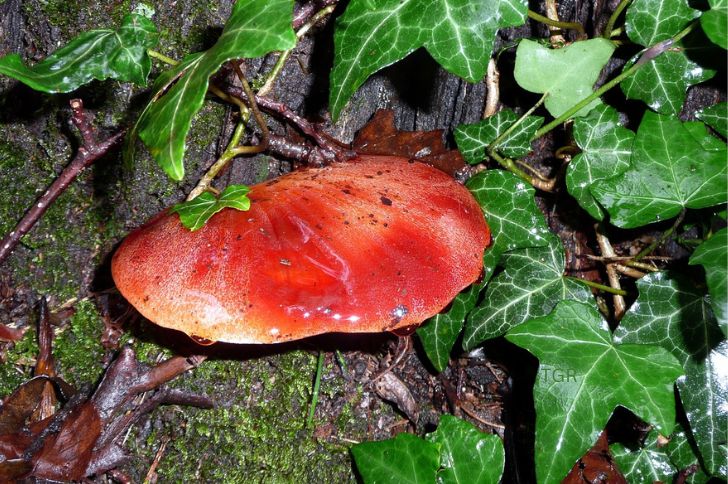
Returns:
<point x="10" y="334"/>
<point x="596" y="466"/>
<point x="391" y="388"/>
<point x="381" y="137"/>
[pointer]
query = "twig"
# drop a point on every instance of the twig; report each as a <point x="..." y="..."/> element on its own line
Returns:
<point x="303" y="13"/>
<point x="151" y="476"/>
<point x="666" y="235"/>
<point x="90" y="150"/>
<point x="492" y="85"/>
<point x="606" y="249"/>
<point x="480" y="419"/>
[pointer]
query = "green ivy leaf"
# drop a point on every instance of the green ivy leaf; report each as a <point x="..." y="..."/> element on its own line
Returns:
<point x="405" y="458"/>
<point x="713" y="256"/>
<point x="669" y="170"/>
<point x="646" y="464"/>
<point x="515" y="222"/>
<point x="566" y="75"/>
<point x="671" y="312"/>
<point x="195" y="213"/>
<point x="372" y="34"/>
<point x="473" y="139"/>
<point x="530" y="286"/>
<point x="439" y="334"/>
<point x="96" y="54"/>
<point x="466" y="453"/>
<point x="583" y="376"/>
<point x="715" y="116"/>
<point x="715" y="22"/>
<point x="681" y="454"/>
<point x="650" y="21"/>
<point x="255" y="28"/>
<point x="606" y="148"/>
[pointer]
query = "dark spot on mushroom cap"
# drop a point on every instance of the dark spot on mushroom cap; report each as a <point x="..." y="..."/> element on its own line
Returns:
<point x="386" y="201"/>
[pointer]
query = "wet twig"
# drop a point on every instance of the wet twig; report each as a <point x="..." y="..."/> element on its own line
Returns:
<point x="90" y="150"/>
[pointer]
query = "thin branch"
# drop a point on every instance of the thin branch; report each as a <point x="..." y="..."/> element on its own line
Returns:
<point x="606" y="249"/>
<point x="666" y="235"/>
<point x="492" y="85"/>
<point x="91" y="149"/>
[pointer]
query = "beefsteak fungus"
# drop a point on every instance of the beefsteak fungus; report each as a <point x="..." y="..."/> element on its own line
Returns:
<point x="369" y="245"/>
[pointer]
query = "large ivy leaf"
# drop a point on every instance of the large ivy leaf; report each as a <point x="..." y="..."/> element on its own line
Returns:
<point x="567" y="75"/>
<point x="646" y="464"/>
<point x="715" y="22"/>
<point x="474" y="139"/>
<point x="583" y="376"/>
<point x="97" y="54"/>
<point x="672" y="312"/>
<point x="530" y="286"/>
<point x="606" y="148"/>
<point x="716" y="116"/>
<point x="195" y="213"/>
<point x="459" y="34"/>
<point x="713" y="256"/>
<point x="669" y="170"/>
<point x="661" y="83"/>
<point x="254" y="28"/>
<point x="467" y="455"/>
<point x="405" y="458"/>
<point x="515" y="222"/>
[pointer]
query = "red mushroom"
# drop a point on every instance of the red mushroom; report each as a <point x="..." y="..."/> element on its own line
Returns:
<point x="369" y="245"/>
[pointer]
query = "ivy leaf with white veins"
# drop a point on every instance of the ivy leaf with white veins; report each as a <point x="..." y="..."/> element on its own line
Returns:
<point x="474" y="139"/>
<point x="715" y="116"/>
<point x="97" y="54"/>
<point x="682" y="455"/>
<point x="459" y="34"/>
<point x="662" y="82"/>
<point x="671" y="312"/>
<point x="530" y="286"/>
<point x="255" y="28"/>
<point x="714" y="22"/>
<point x="606" y="147"/>
<point x="669" y="171"/>
<point x="196" y="212"/>
<point x="466" y="453"/>
<point x="566" y="75"/>
<point x="646" y="464"/>
<point x="515" y="222"/>
<point x="583" y="376"/>
<point x="713" y="256"/>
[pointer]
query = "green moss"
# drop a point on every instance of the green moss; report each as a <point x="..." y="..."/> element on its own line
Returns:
<point x="77" y="349"/>
<point x="19" y="364"/>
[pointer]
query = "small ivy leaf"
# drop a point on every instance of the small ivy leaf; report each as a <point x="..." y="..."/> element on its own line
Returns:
<point x="255" y="28"/>
<point x="372" y="34"/>
<point x="606" y="148"/>
<point x="439" y="334"/>
<point x="715" y="116"/>
<point x="715" y="22"/>
<point x="682" y="456"/>
<point x="669" y="171"/>
<point x="650" y="21"/>
<point x="713" y="256"/>
<point x="530" y="286"/>
<point x="515" y="222"/>
<point x="97" y="54"/>
<point x="671" y="312"/>
<point x="405" y="458"/>
<point x="466" y="453"/>
<point x="646" y="464"/>
<point x="663" y="83"/>
<point x="196" y="212"/>
<point x="583" y="376"/>
<point x="473" y="139"/>
<point x="567" y="75"/>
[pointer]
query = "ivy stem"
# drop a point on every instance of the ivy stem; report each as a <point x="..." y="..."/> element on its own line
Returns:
<point x="647" y="56"/>
<point x="609" y="29"/>
<point x="659" y="241"/>
<point x="316" y="389"/>
<point x="280" y="63"/>
<point x="555" y="23"/>
<point x="601" y="287"/>
<point x="511" y="128"/>
<point x="159" y="56"/>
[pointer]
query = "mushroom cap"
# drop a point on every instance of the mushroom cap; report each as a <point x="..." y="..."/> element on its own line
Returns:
<point x="368" y="245"/>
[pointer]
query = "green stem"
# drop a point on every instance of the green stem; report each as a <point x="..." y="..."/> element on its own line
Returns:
<point x="159" y="56"/>
<point x="316" y="388"/>
<point x="666" y="235"/>
<point x="511" y="128"/>
<point x="555" y="23"/>
<point x="649" y="54"/>
<point x="601" y="287"/>
<point x="509" y="165"/>
<point x="609" y="29"/>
